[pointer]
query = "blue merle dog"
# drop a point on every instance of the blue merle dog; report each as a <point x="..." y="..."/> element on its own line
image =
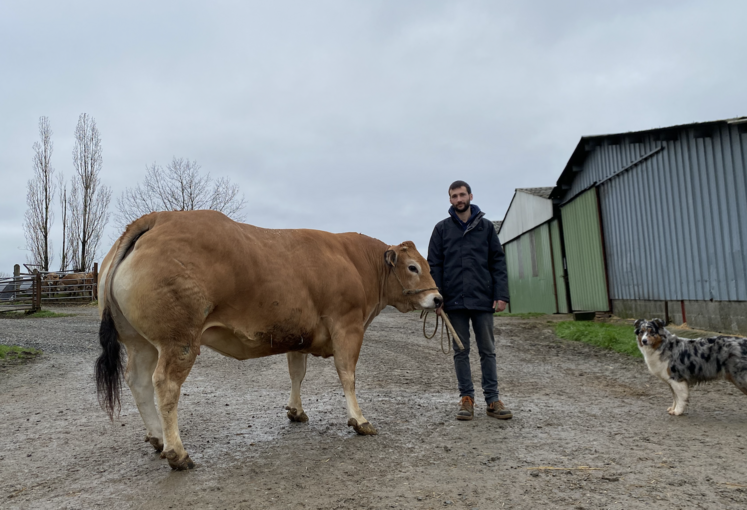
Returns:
<point x="681" y="362"/>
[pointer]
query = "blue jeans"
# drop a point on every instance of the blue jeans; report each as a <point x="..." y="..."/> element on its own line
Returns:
<point x="482" y="323"/>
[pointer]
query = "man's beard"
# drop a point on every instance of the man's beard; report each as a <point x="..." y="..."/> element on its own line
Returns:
<point x="463" y="208"/>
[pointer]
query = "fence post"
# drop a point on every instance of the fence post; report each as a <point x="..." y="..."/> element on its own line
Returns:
<point x="16" y="280"/>
<point x="38" y="292"/>
<point x="95" y="286"/>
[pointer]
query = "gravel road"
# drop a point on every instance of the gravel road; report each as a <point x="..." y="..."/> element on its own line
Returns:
<point x="590" y="430"/>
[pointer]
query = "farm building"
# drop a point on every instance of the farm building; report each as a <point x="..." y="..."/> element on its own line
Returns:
<point x="530" y="237"/>
<point x="654" y="224"/>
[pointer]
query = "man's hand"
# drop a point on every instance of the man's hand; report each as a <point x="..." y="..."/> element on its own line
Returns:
<point x="499" y="305"/>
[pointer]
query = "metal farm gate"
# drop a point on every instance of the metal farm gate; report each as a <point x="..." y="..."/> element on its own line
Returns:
<point x="69" y="287"/>
<point x="20" y="293"/>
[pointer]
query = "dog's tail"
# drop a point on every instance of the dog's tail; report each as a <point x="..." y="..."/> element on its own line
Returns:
<point x="109" y="366"/>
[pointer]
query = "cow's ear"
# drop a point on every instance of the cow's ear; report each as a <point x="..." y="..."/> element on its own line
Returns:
<point x="390" y="257"/>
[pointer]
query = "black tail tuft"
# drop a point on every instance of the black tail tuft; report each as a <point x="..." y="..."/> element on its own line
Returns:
<point x="109" y="365"/>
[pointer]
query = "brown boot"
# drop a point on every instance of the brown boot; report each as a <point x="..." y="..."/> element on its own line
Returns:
<point x="466" y="409"/>
<point x="498" y="410"/>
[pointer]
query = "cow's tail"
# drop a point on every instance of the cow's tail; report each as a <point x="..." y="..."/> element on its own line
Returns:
<point x="109" y="365"/>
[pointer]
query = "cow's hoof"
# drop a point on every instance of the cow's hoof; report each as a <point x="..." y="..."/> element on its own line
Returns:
<point x="155" y="442"/>
<point x="294" y="416"/>
<point x="176" y="463"/>
<point x="365" y="429"/>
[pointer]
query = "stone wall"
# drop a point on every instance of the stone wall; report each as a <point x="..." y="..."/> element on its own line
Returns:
<point x="728" y="317"/>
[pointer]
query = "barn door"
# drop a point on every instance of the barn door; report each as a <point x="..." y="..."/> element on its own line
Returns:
<point x="558" y="272"/>
<point x="582" y="232"/>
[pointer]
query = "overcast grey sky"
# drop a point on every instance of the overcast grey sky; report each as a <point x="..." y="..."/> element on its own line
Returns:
<point x="354" y="115"/>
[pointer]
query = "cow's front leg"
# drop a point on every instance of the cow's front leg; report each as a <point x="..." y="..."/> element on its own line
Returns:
<point x="297" y="369"/>
<point x="347" y="350"/>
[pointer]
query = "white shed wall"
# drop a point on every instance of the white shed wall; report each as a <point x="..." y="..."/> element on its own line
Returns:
<point x="525" y="213"/>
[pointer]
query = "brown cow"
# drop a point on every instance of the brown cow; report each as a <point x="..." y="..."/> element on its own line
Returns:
<point x="175" y="281"/>
<point x="49" y="283"/>
<point x="77" y="284"/>
<point x="72" y="284"/>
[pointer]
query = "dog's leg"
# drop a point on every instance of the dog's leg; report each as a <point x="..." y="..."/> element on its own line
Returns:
<point x="740" y="381"/>
<point x="681" y="393"/>
<point x="674" y="399"/>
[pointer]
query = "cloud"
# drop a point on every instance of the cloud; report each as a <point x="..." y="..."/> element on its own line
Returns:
<point x="350" y="116"/>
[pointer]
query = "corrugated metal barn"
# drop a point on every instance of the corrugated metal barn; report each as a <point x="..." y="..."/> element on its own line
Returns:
<point x="655" y="224"/>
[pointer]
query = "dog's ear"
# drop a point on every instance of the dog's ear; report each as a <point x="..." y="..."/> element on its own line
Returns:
<point x="390" y="257"/>
<point x="638" y="323"/>
<point x="659" y="323"/>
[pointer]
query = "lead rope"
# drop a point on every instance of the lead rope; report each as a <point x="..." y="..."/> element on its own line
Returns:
<point x="450" y="333"/>
<point x="407" y="292"/>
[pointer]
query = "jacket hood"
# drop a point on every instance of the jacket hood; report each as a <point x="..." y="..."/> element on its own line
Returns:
<point x="476" y="215"/>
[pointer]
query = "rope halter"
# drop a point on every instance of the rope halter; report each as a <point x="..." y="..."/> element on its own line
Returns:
<point x="405" y="291"/>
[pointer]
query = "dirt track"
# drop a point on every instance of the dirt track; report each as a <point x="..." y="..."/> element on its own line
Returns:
<point x="573" y="406"/>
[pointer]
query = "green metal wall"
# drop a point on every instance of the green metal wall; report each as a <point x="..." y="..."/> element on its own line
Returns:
<point x="584" y="254"/>
<point x="557" y="261"/>
<point x="531" y="285"/>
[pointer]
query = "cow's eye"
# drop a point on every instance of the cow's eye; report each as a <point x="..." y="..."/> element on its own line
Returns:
<point x="413" y="269"/>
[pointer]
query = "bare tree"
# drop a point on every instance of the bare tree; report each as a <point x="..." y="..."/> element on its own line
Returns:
<point x="88" y="203"/>
<point x="39" y="195"/>
<point x="69" y="246"/>
<point x="178" y="187"/>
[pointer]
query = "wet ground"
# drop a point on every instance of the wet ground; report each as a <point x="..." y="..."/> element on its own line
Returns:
<point x="590" y="430"/>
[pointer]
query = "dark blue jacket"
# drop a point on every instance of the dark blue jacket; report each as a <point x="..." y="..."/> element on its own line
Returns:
<point x="467" y="262"/>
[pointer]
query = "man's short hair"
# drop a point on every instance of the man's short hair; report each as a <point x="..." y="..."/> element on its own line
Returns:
<point x="459" y="184"/>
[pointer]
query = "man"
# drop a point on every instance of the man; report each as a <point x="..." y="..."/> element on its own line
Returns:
<point x="469" y="267"/>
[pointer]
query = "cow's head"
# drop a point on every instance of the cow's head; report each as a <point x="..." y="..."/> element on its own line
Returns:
<point x="409" y="285"/>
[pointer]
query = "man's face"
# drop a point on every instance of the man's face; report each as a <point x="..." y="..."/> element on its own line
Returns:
<point x="460" y="199"/>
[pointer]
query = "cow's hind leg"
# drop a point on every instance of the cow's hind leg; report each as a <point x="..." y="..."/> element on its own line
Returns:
<point x="347" y="348"/>
<point x="142" y="358"/>
<point x="297" y="369"/>
<point x="175" y="360"/>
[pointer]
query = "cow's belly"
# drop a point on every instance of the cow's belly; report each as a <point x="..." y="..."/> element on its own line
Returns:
<point x="276" y="340"/>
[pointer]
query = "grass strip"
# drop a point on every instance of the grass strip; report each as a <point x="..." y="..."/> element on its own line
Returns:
<point x="617" y="337"/>
<point x="13" y="351"/>
<point x="41" y="314"/>
<point x="520" y="315"/>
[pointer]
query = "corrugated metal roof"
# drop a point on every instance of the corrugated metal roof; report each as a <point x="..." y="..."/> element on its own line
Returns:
<point x="537" y="192"/>
<point x="565" y="188"/>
